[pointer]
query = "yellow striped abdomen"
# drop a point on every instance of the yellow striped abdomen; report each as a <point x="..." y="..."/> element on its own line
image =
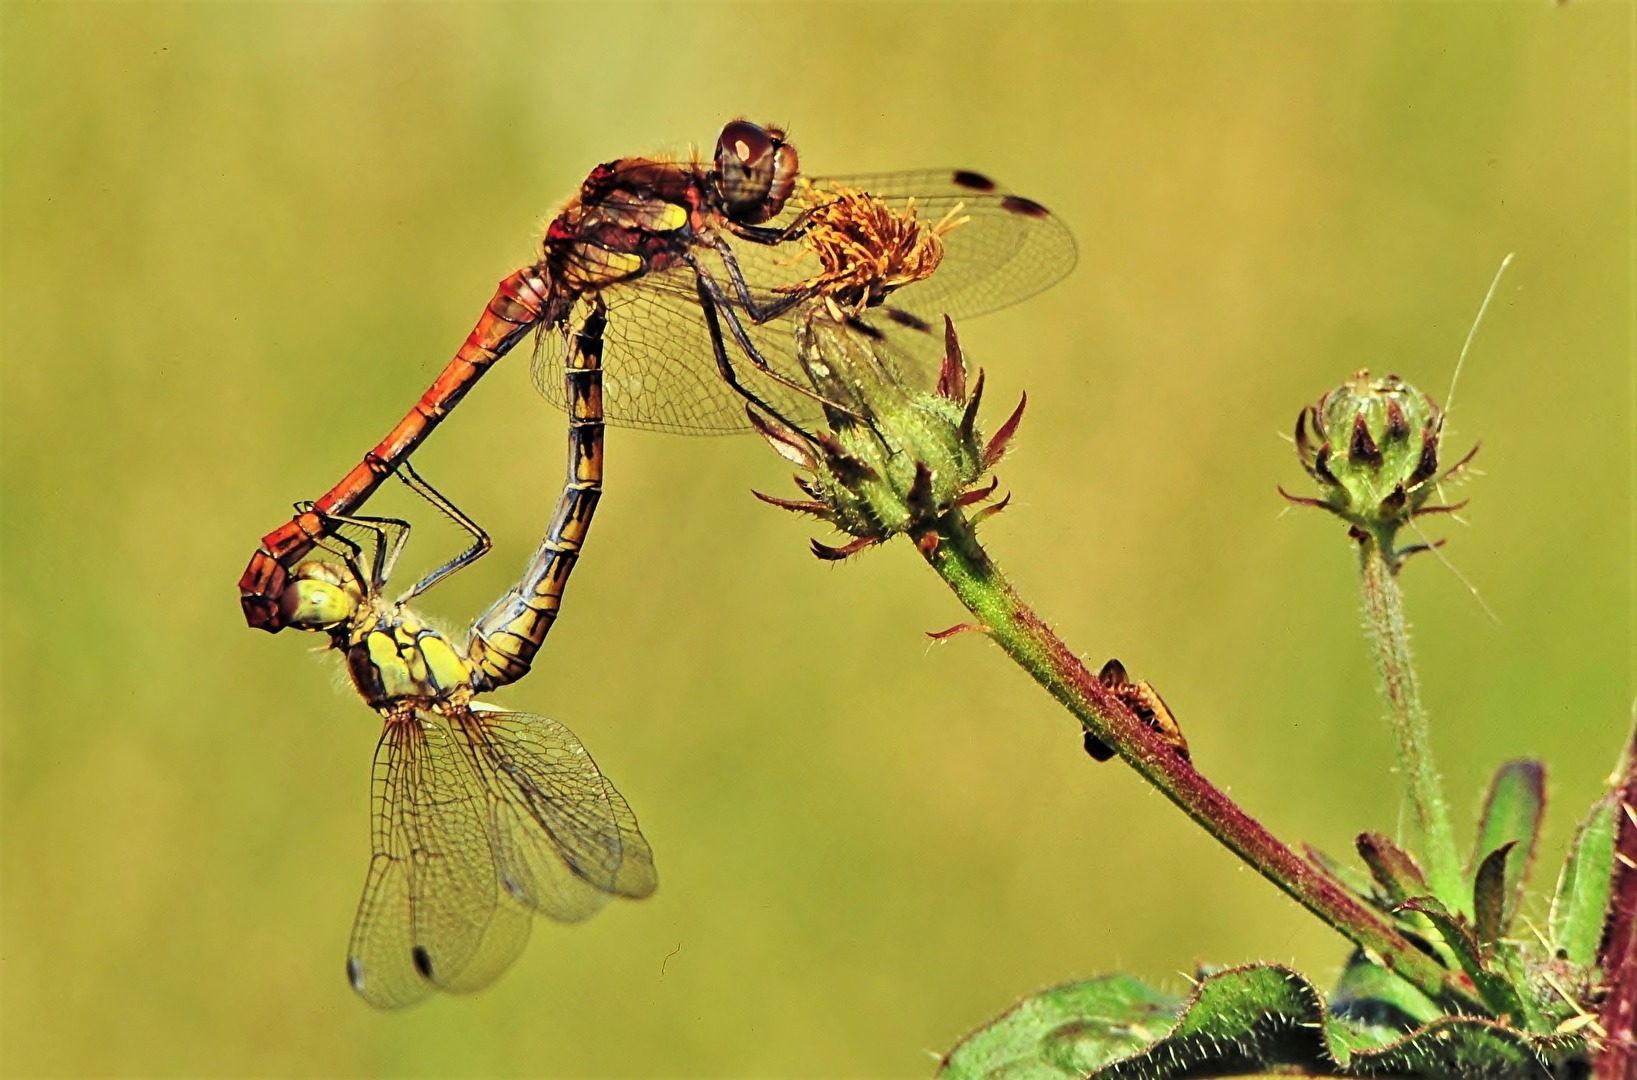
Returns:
<point x="504" y="641"/>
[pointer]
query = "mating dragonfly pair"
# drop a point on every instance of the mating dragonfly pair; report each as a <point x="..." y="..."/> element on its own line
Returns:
<point x="685" y="280"/>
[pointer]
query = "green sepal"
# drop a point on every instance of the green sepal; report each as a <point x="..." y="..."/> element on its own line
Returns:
<point x="1579" y="907"/>
<point x="1378" y="1005"/>
<point x="1253" y="1018"/>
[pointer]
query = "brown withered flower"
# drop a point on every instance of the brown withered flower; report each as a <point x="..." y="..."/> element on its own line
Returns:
<point x="869" y="248"/>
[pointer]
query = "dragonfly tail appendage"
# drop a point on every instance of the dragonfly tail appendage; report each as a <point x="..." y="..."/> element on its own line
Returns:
<point x="521" y="302"/>
<point x="505" y="640"/>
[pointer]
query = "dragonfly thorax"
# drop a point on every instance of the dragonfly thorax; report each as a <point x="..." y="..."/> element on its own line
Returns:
<point x="395" y="658"/>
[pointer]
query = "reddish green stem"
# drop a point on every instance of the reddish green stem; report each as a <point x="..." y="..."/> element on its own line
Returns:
<point x="967" y="569"/>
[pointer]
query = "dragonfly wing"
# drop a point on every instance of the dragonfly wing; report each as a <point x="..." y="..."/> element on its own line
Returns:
<point x="433" y="915"/>
<point x="659" y="367"/>
<point x="1008" y="248"/>
<point x="566" y="838"/>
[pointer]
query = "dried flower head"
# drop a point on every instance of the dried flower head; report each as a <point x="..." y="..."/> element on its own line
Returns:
<point x="868" y="248"/>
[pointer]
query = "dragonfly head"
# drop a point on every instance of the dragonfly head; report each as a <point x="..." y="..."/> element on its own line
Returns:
<point x="320" y="596"/>
<point x="755" y="171"/>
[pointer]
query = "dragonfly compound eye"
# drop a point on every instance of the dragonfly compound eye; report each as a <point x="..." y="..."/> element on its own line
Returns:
<point x="755" y="171"/>
<point x="318" y="598"/>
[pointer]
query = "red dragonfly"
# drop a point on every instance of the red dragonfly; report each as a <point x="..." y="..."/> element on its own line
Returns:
<point x="697" y="263"/>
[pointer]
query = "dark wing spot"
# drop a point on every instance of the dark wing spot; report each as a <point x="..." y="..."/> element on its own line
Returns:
<point x="355" y="974"/>
<point x="1017" y="204"/>
<point x="975" y="180"/>
<point x="905" y="318"/>
<point x="860" y="326"/>
<point x="423" y="961"/>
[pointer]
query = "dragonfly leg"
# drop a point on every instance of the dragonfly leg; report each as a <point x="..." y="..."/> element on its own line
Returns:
<point x="504" y="641"/>
<point x="711" y="303"/>
<point x="758" y="313"/>
<point x="391" y="534"/>
<point x="717" y="309"/>
<point x="480" y="539"/>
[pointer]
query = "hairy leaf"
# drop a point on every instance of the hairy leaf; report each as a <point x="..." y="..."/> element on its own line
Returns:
<point x="1065" y="1031"/>
<point x="1582" y="898"/>
<point x="1256" y="1018"/>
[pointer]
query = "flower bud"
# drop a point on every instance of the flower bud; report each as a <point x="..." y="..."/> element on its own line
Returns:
<point x="893" y="460"/>
<point x="1373" y="447"/>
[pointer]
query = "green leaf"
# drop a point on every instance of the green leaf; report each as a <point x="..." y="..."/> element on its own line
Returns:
<point x="1065" y="1031"/>
<point x="1246" y="1018"/>
<point x="1257" y="1018"/>
<point x="1511" y="815"/>
<point x="1394" y="869"/>
<point x="1575" y="924"/>
<point x="1345" y="875"/>
<point x="1469" y="1047"/>
<point x="1493" y="986"/>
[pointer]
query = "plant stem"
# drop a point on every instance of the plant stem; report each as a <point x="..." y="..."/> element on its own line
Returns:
<point x="966" y="568"/>
<point x="1389" y="633"/>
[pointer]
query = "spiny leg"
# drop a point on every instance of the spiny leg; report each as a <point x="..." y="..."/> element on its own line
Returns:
<point x="719" y="308"/>
<point x="390" y="535"/>
<point x="741" y="288"/>
<point x="480" y="539"/>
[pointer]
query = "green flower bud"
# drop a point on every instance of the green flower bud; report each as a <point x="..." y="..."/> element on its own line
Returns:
<point x="1373" y="447"/>
<point x="893" y="459"/>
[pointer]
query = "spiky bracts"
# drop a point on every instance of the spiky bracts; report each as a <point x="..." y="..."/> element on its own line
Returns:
<point x="1373" y="447"/>
<point x="892" y="461"/>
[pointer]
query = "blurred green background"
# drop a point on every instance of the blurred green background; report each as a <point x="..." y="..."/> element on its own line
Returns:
<point x="240" y="238"/>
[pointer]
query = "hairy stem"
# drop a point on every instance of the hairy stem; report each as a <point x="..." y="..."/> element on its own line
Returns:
<point x="1390" y="634"/>
<point x="967" y="569"/>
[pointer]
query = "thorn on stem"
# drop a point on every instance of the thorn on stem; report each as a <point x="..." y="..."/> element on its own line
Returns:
<point x="785" y="442"/>
<point x="952" y="374"/>
<point x="969" y="418"/>
<point x="1442" y="508"/>
<point x="919" y="496"/>
<point x="1302" y="500"/>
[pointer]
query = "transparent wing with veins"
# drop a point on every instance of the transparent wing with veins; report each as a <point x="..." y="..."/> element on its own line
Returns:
<point x="660" y="371"/>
